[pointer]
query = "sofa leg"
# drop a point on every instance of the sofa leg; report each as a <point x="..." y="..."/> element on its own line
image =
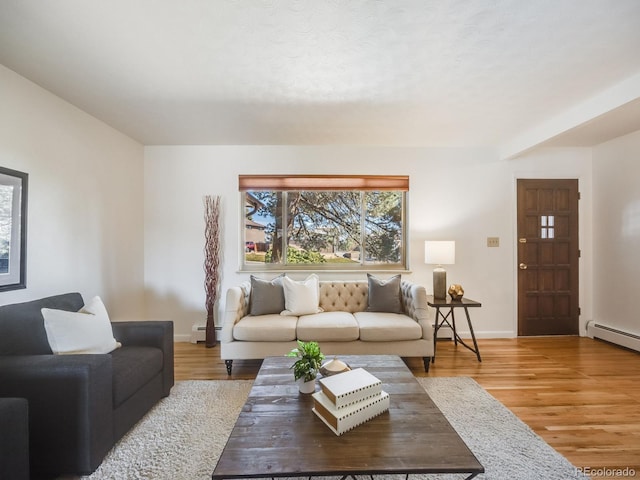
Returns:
<point x="427" y="362"/>
<point x="229" y="364"/>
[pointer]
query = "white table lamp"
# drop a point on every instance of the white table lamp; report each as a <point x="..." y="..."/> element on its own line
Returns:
<point x="440" y="253"/>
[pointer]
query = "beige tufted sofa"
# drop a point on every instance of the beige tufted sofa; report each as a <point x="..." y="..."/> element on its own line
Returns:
<point x="343" y="328"/>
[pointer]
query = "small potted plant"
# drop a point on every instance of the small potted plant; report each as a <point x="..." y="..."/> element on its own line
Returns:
<point x="306" y="367"/>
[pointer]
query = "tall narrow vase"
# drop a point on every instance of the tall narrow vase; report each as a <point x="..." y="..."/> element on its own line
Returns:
<point x="211" y="262"/>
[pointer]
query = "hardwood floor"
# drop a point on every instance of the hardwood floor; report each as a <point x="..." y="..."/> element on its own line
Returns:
<point x="581" y="395"/>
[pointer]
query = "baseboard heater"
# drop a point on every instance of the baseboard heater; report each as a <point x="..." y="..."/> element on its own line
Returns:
<point x="199" y="333"/>
<point x="613" y="335"/>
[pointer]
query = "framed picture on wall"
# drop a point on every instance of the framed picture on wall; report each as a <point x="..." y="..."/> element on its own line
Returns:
<point x="13" y="229"/>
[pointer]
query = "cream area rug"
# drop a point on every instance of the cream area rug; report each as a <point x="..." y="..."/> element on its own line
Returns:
<point x="182" y="437"/>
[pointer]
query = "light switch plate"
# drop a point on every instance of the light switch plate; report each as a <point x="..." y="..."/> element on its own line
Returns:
<point x="493" y="241"/>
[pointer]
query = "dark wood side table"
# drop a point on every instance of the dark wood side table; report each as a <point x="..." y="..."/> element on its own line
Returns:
<point x="442" y="319"/>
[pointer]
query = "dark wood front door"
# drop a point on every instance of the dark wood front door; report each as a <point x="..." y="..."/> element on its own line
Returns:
<point x="548" y="255"/>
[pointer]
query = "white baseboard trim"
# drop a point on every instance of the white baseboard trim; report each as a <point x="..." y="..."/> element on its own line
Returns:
<point x="487" y="334"/>
<point x="446" y="332"/>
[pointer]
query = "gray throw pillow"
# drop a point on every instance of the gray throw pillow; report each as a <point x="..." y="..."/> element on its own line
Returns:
<point x="267" y="296"/>
<point x="384" y="295"/>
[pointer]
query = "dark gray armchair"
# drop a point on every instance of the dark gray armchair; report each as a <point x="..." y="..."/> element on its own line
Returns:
<point x="14" y="439"/>
<point x="80" y="405"/>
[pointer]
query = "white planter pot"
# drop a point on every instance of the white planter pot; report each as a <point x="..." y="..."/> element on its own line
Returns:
<point x="306" y="387"/>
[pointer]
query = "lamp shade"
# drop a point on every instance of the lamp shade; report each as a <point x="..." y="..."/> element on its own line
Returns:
<point x="440" y="252"/>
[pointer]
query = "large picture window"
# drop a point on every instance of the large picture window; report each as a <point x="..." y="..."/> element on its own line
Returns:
<point x="324" y="223"/>
<point x="13" y="229"/>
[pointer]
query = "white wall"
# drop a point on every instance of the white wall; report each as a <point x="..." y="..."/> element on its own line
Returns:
<point x="93" y="228"/>
<point x="616" y="234"/>
<point x="85" y="206"/>
<point x="461" y="194"/>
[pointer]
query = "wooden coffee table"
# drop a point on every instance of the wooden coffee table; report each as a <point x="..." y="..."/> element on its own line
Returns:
<point x="277" y="434"/>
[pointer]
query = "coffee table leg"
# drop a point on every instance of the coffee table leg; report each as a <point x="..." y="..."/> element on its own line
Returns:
<point x="355" y="477"/>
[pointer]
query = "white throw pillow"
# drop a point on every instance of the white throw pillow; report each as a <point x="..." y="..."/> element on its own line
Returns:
<point x="86" y="331"/>
<point x="301" y="298"/>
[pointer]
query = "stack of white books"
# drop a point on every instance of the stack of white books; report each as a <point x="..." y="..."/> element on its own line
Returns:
<point x="349" y="399"/>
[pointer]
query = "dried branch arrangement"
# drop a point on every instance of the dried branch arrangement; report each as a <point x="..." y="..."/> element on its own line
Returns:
<point x="211" y="262"/>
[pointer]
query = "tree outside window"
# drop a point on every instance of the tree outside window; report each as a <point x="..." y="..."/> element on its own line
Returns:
<point x="324" y="229"/>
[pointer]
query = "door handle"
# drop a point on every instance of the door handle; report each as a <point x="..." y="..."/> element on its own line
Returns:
<point x="523" y="266"/>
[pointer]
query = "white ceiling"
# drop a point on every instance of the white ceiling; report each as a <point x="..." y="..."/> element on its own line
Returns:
<point x="506" y="73"/>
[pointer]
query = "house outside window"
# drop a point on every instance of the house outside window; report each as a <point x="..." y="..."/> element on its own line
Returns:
<point x="345" y="223"/>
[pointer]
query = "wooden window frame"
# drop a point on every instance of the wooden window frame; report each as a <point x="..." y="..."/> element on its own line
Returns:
<point x="360" y="183"/>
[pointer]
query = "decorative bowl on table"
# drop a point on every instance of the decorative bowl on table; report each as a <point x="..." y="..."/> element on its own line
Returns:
<point x="333" y="367"/>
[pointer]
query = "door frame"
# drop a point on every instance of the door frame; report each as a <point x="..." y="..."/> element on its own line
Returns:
<point x="585" y="290"/>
